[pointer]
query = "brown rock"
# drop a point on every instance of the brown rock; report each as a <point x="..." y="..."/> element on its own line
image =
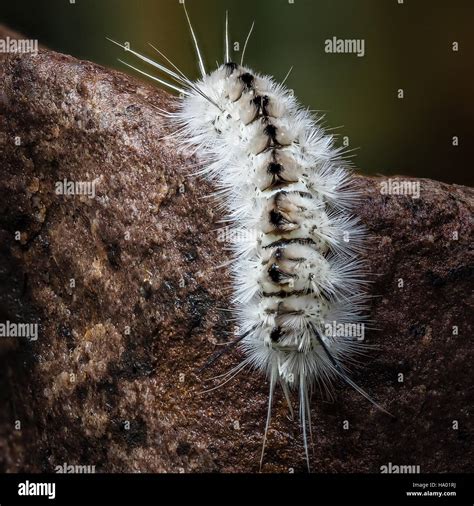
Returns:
<point x="130" y="304"/>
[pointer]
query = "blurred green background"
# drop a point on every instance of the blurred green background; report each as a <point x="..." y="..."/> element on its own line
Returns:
<point x="407" y="45"/>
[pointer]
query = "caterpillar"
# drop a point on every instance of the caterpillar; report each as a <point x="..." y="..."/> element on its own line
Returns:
<point x="287" y="194"/>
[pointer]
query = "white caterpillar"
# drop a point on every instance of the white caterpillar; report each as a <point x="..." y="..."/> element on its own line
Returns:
<point x="286" y="190"/>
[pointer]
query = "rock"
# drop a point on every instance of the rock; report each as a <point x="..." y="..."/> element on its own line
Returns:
<point x="130" y="303"/>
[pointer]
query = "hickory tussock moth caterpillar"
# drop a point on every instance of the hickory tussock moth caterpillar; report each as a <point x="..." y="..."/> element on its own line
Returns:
<point x="287" y="194"/>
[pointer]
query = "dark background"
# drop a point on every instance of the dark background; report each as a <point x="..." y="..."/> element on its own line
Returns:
<point x="407" y="46"/>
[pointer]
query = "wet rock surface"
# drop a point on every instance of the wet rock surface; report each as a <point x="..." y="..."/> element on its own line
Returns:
<point x="130" y="303"/>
